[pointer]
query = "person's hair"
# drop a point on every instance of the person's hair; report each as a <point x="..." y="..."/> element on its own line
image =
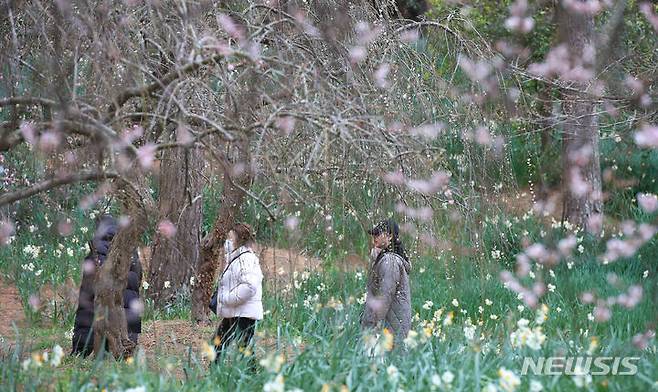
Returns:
<point x="244" y="234"/>
<point x="391" y="227"/>
<point x="397" y="246"/>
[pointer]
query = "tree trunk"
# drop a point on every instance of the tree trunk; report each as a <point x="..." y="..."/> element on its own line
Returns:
<point x="213" y="243"/>
<point x="110" y="318"/>
<point x="581" y="175"/>
<point x="175" y="258"/>
<point x="241" y="108"/>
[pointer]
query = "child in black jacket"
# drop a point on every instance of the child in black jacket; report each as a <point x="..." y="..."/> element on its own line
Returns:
<point x="83" y="336"/>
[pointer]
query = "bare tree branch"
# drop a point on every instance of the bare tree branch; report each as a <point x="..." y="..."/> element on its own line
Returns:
<point x="46" y="185"/>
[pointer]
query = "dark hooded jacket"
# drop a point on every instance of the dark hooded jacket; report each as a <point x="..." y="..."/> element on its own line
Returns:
<point x="100" y="247"/>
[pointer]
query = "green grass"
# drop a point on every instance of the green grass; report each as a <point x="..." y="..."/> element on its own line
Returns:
<point x="333" y="350"/>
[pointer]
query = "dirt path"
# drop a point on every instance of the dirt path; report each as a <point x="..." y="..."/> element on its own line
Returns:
<point x="168" y="344"/>
<point x="11" y="311"/>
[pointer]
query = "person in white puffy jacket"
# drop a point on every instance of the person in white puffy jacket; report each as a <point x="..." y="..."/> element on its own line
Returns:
<point x="239" y="296"/>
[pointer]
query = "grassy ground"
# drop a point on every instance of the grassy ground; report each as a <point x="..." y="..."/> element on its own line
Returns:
<point x="464" y="317"/>
<point x="316" y="329"/>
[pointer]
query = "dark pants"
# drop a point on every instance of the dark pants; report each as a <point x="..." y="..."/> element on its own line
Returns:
<point x="240" y="329"/>
<point x="83" y="341"/>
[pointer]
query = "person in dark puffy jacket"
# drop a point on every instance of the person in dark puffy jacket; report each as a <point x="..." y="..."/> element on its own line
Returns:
<point x="83" y="336"/>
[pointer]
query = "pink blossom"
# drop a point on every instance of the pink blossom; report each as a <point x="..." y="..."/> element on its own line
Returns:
<point x="519" y="8"/>
<point x="635" y="85"/>
<point x="520" y="24"/>
<point x="137" y="306"/>
<point x="291" y="223"/>
<point x="556" y="63"/>
<point x="131" y="134"/>
<point x="380" y="75"/>
<point x="409" y="35"/>
<point x="601" y="313"/>
<point x="477" y="71"/>
<point x="88" y="267"/>
<point x="308" y="28"/>
<point x="578" y="73"/>
<point x="254" y="51"/>
<point x="530" y="300"/>
<point x="611" y="109"/>
<point x="509" y="50"/>
<point x="286" y="124"/>
<point x="587" y="297"/>
<point x="228" y="25"/>
<point x="538" y="289"/>
<point x="632" y="298"/>
<point x="635" y="293"/>
<point x="641" y="340"/>
<point x="628" y="227"/>
<point x="482" y="136"/>
<point x="582" y="155"/>
<point x="567" y="245"/>
<point x="537" y="252"/>
<point x="65" y="227"/>
<point x="438" y="181"/>
<point x="183" y="135"/>
<point x="70" y="157"/>
<point x="595" y="223"/>
<point x="522" y="265"/>
<point x="357" y="54"/>
<point x="29" y="133"/>
<point x="648" y="202"/>
<point x="616" y="248"/>
<point x="395" y="178"/>
<point x="646" y="232"/>
<point x="365" y="33"/>
<point x="167" y="228"/>
<point x="647" y="136"/>
<point x="223" y="48"/>
<point x="238" y="169"/>
<point x="587" y="7"/>
<point x="377" y="305"/>
<point x="146" y="155"/>
<point x="577" y="184"/>
<point x="645" y="100"/>
<point x="424" y="213"/>
<point x="428" y="131"/>
<point x="648" y="10"/>
<point x="124" y="221"/>
<point x="6" y="232"/>
<point x="518" y="21"/>
<point x="34" y="302"/>
<point x="49" y="141"/>
<point x="529" y="297"/>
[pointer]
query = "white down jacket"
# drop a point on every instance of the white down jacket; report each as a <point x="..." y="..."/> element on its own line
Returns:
<point x="240" y="291"/>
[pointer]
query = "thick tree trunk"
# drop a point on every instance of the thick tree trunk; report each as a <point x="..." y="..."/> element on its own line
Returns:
<point x="110" y="319"/>
<point x="175" y="258"/>
<point x="581" y="175"/>
<point x="241" y="107"/>
<point x="213" y="243"/>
